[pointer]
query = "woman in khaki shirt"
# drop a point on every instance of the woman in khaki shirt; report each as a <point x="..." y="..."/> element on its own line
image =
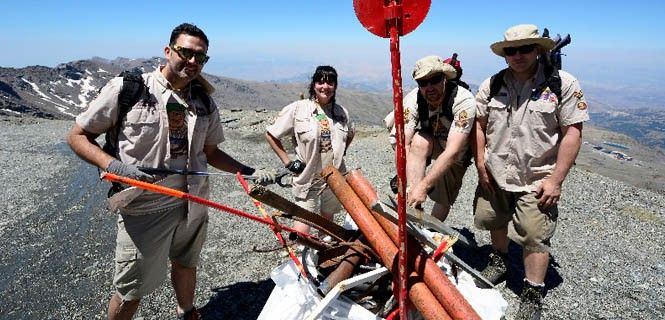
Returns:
<point x="321" y="132"/>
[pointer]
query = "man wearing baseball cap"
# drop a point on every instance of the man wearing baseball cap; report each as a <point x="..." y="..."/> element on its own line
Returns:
<point x="527" y="136"/>
<point x="438" y="117"/>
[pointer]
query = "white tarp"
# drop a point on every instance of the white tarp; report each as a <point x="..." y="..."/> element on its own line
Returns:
<point x="293" y="298"/>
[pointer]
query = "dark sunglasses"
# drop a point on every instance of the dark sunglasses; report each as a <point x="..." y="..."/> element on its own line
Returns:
<point x="432" y="80"/>
<point x="187" y="54"/>
<point x="511" y="51"/>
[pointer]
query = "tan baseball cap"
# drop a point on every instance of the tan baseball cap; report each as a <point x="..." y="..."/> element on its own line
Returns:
<point x="431" y="65"/>
<point x="521" y="35"/>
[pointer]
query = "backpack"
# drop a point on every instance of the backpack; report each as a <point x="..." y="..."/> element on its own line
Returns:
<point x="552" y="80"/>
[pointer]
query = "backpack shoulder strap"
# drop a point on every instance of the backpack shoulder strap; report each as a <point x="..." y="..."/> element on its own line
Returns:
<point x="423" y="112"/>
<point x="496" y="82"/>
<point x="199" y="91"/>
<point x="553" y="80"/>
<point x="449" y="99"/>
<point x="132" y="89"/>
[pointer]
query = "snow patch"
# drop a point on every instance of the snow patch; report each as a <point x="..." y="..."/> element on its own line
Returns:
<point x="60" y="107"/>
<point x="10" y="111"/>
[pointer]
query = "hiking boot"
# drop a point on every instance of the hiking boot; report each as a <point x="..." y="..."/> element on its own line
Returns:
<point x="192" y="314"/>
<point x="495" y="271"/>
<point x="531" y="301"/>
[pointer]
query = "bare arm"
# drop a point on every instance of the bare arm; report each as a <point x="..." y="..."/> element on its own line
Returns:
<point x="454" y="146"/>
<point x="549" y="190"/>
<point x="478" y="143"/>
<point x="278" y="148"/>
<point x="220" y="160"/>
<point x="84" y="145"/>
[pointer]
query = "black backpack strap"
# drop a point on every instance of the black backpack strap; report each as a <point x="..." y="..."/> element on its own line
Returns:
<point x="199" y="92"/>
<point x="133" y="87"/>
<point x="553" y="80"/>
<point x="496" y="82"/>
<point x="423" y="113"/>
<point x="448" y="100"/>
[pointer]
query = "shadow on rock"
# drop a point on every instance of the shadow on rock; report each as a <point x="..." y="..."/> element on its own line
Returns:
<point x="242" y="300"/>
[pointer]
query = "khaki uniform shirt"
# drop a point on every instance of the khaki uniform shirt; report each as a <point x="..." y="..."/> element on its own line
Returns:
<point x="464" y="114"/>
<point x="524" y="128"/>
<point x="144" y="137"/>
<point x="298" y="121"/>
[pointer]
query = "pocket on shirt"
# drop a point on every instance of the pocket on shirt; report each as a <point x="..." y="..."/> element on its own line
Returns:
<point x="305" y="131"/>
<point x="543" y="114"/>
<point x="497" y="114"/>
<point x="141" y="122"/>
<point x="343" y="131"/>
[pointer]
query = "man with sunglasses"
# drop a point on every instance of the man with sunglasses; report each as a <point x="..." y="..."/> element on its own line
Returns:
<point x="175" y="125"/>
<point x="438" y="116"/>
<point x="527" y="136"/>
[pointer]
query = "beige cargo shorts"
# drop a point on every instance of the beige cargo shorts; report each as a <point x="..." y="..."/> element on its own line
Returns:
<point x="325" y="202"/>
<point x="447" y="188"/>
<point x="527" y="225"/>
<point x="145" y="243"/>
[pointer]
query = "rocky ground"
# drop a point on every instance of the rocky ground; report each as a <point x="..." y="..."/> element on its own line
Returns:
<point x="57" y="249"/>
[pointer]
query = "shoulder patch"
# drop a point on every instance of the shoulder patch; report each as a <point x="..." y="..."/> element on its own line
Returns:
<point x="463" y="115"/>
<point x="578" y="94"/>
<point x="581" y="105"/>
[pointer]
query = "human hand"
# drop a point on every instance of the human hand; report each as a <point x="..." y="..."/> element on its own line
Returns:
<point x="486" y="180"/>
<point x="127" y="170"/>
<point x="548" y="193"/>
<point x="417" y="195"/>
<point x="264" y="177"/>
<point x="295" y="166"/>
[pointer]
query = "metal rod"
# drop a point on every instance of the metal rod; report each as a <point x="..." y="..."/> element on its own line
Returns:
<point x="275" y="228"/>
<point x="183" y="195"/>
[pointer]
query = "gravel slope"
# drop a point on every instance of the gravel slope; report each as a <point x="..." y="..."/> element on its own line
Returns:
<point x="57" y="249"/>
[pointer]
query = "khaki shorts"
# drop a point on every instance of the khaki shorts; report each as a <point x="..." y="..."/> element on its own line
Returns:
<point x="527" y="225"/>
<point x="145" y="243"/>
<point x="326" y="202"/>
<point x="446" y="189"/>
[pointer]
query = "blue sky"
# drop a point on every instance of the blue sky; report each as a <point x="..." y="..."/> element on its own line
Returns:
<point x="613" y="41"/>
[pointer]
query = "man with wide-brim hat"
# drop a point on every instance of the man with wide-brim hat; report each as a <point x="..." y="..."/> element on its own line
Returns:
<point x="438" y="117"/>
<point x="527" y="135"/>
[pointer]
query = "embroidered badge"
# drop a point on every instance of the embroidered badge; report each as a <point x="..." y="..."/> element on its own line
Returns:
<point x="581" y="105"/>
<point x="461" y="123"/>
<point x="578" y="94"/>
<point x="463" y="115"/>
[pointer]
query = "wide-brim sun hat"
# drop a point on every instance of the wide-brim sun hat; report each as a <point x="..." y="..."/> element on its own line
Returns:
<point x="431" y="65"/>
<point x="521" y="35"/>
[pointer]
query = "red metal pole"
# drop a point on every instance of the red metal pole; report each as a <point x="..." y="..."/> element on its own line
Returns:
<point x="183" y="195"/>
<point x="393" y="10"/>
<point x="275" y="228"/>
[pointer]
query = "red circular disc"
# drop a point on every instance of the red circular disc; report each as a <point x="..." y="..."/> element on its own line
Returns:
<point x="373" y="15"/>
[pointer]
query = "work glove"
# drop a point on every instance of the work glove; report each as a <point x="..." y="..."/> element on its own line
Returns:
<point x="261" y="176"/>
<point x="295" y="166"/>
<point x="264" y="177"/>
<point x="127" y="170"/>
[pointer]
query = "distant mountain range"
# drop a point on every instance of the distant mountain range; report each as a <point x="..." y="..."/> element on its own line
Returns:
<point x="65" y="90"/>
